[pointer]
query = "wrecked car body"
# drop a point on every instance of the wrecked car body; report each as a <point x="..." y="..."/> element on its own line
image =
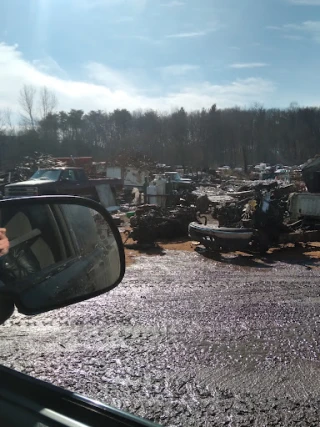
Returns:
<point x="252" y="224"/>
<point x="215" y="238"/>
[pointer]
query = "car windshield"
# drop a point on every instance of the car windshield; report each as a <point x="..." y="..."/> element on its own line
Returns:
<point x="173" y="175"/>
<point x="46" y="175"/>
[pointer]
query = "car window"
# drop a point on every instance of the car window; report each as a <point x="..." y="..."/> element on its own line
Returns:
<point x="68" y="174"/>
<point x="50" y="175"/>
<point x="80" y="175"/>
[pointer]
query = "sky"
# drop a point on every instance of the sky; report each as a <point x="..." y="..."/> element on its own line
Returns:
<point x="161" y="54"/>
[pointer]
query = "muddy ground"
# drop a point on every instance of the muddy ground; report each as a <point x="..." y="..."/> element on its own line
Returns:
<point x="187" y="340"/>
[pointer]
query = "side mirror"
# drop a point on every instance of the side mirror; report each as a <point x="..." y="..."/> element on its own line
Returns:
<point x="63" y="250"/>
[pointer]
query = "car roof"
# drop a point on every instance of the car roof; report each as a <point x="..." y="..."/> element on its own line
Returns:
<point x="60" y="168"/>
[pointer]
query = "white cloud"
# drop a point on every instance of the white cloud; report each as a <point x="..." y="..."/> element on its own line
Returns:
<point x="274" y="27"/>
<point x="91" y="4"/>
<point x="293" y="37"/>
<point x="306" y="2"/>
<point x="309" y="28"/>
<point x="214" y="26"/>
<point x="240" y="92"/>
<point x="178" y="69"/>
<point x="147" y="39"/>
<point x="249" y="65"/>
<point x="173" y="3"/>
<point x="49" y="66"/>
<point x="107" y="89"/>
<point x="187" y="35"/>
<point x="101" y="74"/>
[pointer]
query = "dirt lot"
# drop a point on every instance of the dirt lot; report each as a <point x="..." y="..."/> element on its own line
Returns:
<point x="160" y="249"/>
<point x="302" y="253"/>
<point x="188" y="340"/>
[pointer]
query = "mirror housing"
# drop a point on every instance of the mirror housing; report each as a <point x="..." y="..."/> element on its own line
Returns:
<point x="63" y="250"/>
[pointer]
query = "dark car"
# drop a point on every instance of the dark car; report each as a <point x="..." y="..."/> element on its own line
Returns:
<point x="63" y="180"/>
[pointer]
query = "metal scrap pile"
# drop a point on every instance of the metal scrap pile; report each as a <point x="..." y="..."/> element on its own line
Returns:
<point x="311" y="174"/>
<point x="30" y="164"/>
<point x="152" y="223"/>
<point x="229" y="214"/>
<point x="205" y="179"/>
<point x="236" y="213"/>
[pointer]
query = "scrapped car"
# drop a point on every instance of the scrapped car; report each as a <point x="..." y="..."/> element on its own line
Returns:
<point x="175" y="177"/>
<point x="66" y="181"/>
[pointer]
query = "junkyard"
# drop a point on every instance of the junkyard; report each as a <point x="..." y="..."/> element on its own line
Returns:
<point x="206" y="328"/>
<point x="159" y="213"/>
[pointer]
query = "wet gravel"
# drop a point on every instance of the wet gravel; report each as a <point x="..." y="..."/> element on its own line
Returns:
<point x="187" y="341"/>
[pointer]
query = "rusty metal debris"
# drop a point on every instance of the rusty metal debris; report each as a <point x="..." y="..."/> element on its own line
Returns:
<point x="151" y="223"/>
<point x="256" y="219"/>
<point x="233" y="213"/>
<point x="30" y="164"/>
<point x="311" y="174"/>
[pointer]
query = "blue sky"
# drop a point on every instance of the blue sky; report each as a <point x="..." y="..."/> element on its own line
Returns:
<point x="162" y="54"/>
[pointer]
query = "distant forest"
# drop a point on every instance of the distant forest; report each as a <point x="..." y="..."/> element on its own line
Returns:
<point x="201" y="139"/>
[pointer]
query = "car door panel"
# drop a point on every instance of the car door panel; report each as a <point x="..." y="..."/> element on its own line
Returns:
<point x="28" y="402"/>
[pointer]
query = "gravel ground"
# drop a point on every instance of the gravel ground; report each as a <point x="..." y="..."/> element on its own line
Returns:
<point x="187" y="341"/>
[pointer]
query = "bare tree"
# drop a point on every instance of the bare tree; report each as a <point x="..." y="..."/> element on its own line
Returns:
<point x="27" y="103"/>
<point x="7" y="117"/>
<point x="2" y="123"/>
<point x="48" y="102"/>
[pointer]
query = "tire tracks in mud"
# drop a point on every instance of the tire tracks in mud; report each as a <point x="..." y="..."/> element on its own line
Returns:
<point x="186" y="341"/>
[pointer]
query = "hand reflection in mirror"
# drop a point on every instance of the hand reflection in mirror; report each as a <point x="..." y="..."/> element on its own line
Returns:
<point x="58" y="252"/>
<point x="22" y="260"/>
<point x="4" y="242"/>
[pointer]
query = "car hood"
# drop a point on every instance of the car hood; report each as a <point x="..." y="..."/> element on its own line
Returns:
<point x="183" y="181"/>
<point x="31" y="182"/>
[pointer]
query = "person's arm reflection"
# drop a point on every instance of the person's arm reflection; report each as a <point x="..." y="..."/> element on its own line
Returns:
<point x="4" y="242"/>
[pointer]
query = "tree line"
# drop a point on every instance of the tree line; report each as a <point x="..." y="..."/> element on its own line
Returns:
<point x="204" y="138"/>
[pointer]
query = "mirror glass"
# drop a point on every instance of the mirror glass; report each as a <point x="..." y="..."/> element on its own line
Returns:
<point x="58" y="253"/>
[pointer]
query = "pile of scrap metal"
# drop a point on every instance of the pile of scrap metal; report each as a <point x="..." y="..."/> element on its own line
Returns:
<point x="205" y="178"/>
<point x="232" y="212"/>
<point x="305" y="205"/>
<point x="255" y="219"/>
<point x="30" y="164"/>
<point x="151" y="223"/>
<point x="311" y="175"/>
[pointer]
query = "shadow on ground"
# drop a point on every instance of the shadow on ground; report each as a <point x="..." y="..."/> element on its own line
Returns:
<point x="304" y="255"/>
<point x="146" y="249"/>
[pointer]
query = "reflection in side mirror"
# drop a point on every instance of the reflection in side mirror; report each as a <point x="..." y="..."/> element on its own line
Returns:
<point x="62" y="250"/>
